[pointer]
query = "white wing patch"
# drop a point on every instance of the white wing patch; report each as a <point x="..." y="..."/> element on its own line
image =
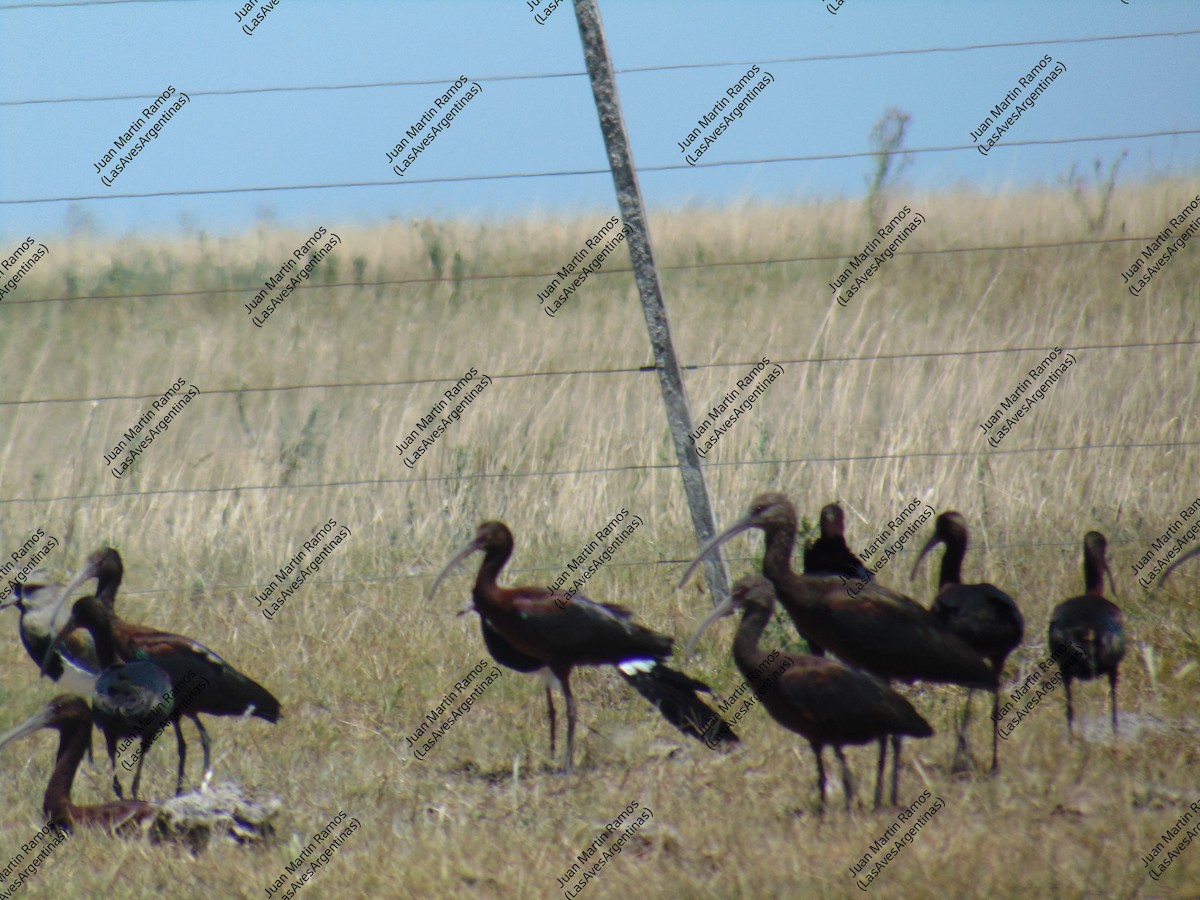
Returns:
<point x="633" y="666"/>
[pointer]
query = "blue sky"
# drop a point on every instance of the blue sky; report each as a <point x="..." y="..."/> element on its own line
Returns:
<point x="531" y="125"/>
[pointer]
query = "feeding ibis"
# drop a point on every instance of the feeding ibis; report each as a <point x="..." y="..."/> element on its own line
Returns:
<point x="130" y="700"/>
<point x="192" y="817"/>
<point x="228" y="691"/>
<point x="820" y="699"/>
<point x="1092" y="625"/>
<point x="70" y="716"/>
<point x="563" y="632"/>
<point x="981" y="614"/>
<point x="877" y="630"/>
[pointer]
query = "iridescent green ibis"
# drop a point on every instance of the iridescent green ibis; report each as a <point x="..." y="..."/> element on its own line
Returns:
<point x="568" y="631"/>
<point x="192" y="817"/>
<point x="70" y="717"/>
<point x="227" y="693"/>
<point x="74" y="665"/>
<point x="134" y="700"/>
<point x="870" y="628"/>
<point x="820" y="699"/>
<point x="1091" y="628"/>
<point x="981" y="614"/>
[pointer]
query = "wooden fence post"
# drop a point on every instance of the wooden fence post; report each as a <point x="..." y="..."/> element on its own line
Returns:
<point x="629" y="198"/>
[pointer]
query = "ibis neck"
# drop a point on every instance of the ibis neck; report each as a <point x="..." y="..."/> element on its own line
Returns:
<point x="486" y="582"/>
<point x="745" y="645"/>
<point x="106" y="645"/>
<point x="777" y="561"/>
<point x="1093" y="573"/>
<point x="72" y="743"/>
<point x="952" y="561"/>
<point x="106" y="588"/>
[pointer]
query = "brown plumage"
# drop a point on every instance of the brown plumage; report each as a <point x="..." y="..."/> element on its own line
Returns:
<point x="819" y="699"/>
<point x="830" y="555"/>
<point x="72" y="719"/>
<point x="872" y="628"/>
<point x="985" y="617"/>
<point x="878" y="630"/>
<point x="1093" y="626"/>
<point x="194" y="817"/>
<point x="567" y="631"/>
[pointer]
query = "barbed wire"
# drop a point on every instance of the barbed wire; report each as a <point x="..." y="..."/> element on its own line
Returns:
<point x="571" y="173"/>
<point x="620" y="370"/>
<point x="459" y="477"/>
<point x="673" y="267"/>
<point x="629" y="70"/>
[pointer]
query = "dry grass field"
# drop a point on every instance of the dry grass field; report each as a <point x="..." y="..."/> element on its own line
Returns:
<point x="297" y="422"/>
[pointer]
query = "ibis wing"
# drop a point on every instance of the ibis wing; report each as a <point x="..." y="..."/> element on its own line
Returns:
<point x="845" y="705"/>
<point x="884" y="631"/>
<point x="582" y="631"/>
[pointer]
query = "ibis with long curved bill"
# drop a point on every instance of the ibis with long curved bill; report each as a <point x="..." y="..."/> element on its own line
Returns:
<point x="820" y="699"/>
<point x="1087" y="633"/>
<point x="568" y="631"/>
<point x="981" y="614"/>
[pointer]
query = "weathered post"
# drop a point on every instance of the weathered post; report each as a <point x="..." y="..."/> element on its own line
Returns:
<point x="629" y="198"/>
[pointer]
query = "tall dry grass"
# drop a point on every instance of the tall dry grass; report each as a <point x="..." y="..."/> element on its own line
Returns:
<point x="215" y="506"/>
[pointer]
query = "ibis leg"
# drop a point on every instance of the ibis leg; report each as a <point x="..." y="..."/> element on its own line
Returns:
<point x="820" y="777"/>
<point x="996" y="729"/>
<point x="962" y="756"/>
<point x="206" y="744"/>
<point x="112" y="758"/>
<point x="137" y="773"/>
<point x="879" y="771"/>
<point x="895" y="768"/>
<point x="550" y="709"/>
<point x="565" y="678"/>
<point x="847" y="786"/>
<point x="1112" y="689"/>
<point x="179" y="743"/>
<point x="1070" y="708"/>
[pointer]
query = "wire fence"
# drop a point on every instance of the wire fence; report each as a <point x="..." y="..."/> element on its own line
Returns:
<point x="563" y="173"/>
<point x="540" y="76"/>
<point x="457" y="477"/>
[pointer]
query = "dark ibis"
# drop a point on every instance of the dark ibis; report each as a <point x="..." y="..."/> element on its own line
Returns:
<point x="193" y="817"/>
<point x="130" y="700"/>
<point x="567" y="631"/>
<point x="820" y="699"/>
<point x="829" y="555"/>
<point x="869" y="627"/>
<point x="981" y="614"/>
<point x="74" y="665"/>
<point x="1093" y="626"/>
<point x="227" y="693"/>
<point x="72" y="719"/>
<point x="1171" y="568"/>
